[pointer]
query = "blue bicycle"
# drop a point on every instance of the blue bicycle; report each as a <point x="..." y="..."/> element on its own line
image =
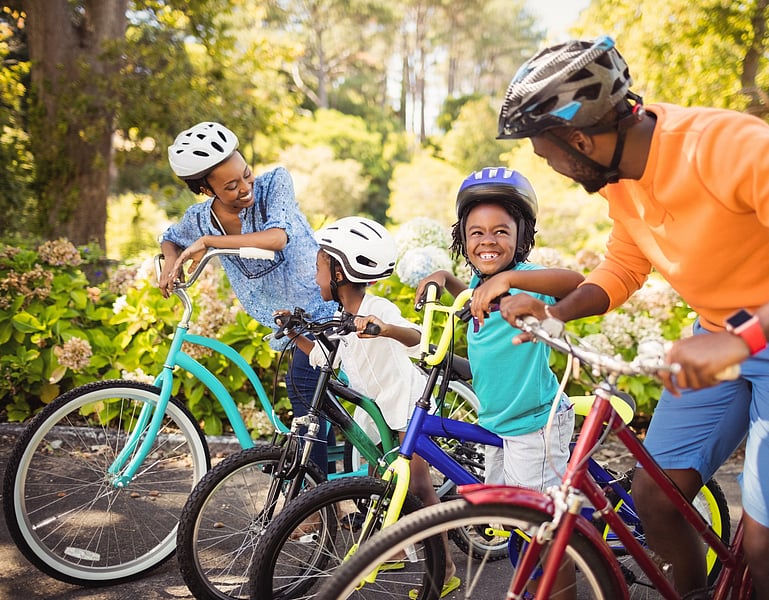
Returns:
<point x="348" y="512"/>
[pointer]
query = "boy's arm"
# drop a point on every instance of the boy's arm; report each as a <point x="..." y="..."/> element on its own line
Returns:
<point x="558" y="283"/>
<point x="408" y="336"/>
<point x="446" y="280"/>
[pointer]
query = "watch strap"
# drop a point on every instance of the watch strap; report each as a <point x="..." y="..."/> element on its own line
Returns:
<point x="753" y="334"/>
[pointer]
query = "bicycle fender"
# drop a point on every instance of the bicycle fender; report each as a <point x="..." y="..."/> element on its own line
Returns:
<point x="481" y="493"/>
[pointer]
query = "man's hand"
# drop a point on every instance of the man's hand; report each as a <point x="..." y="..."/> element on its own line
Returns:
<point x="519" y="305"/>
<point x="703" y="360"/>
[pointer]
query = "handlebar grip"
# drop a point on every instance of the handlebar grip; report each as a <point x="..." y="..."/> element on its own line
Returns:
<point x="372" y="329"/>
<point x="249" y="252"/>
<point x="729" y="373"/>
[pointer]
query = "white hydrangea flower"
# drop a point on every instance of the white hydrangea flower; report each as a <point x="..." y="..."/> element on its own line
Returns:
<point x="646" y="328"/>
<point x="547" y="257"/>
<point x="420" y="232"/>
<point x="600" y="343"/>
<point x="137" y="375"/>
<point x="418" y="263"/>
<point x="616" y="326"/>
<point x="656" y="297"/>
<point x="75" y="353"/>
<point x="120" y="304"/>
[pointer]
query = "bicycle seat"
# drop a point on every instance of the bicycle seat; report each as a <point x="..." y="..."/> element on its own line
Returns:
<point x="583" y="404"/>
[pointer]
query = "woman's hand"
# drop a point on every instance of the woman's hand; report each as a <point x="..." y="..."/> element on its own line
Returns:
<point x="193" y="252"/>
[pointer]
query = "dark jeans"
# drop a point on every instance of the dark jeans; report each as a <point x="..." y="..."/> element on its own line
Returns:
<point x="301" y="380"/>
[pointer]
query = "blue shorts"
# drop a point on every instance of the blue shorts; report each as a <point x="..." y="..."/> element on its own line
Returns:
<point x="701" y="428"/>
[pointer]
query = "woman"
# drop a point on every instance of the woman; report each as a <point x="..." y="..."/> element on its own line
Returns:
<point x="244" y="210"/>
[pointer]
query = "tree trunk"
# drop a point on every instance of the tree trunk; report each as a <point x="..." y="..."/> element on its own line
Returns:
<point x="74" y="49"/>
<point x="759" y="101"/>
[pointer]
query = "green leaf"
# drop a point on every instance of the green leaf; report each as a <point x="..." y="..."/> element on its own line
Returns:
<point x="27" y="323"/>
<point x="57" y="374"/>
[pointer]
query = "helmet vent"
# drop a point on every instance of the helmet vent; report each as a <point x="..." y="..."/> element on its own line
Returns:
<point x="364" y="260"/>
<point x="590" y="92"/>
<point x="580" y="75"/>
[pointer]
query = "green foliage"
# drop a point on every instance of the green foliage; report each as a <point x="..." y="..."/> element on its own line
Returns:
<point x="425" y="187"/>
<point x="470" y="144"/>
<point x="692" y="53"/>
<point x="325" y="186"/>
<point x="57" y="332"/>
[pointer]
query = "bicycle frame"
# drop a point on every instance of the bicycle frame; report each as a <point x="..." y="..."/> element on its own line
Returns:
<point x="140" y="440"/>
<point x="577" y="485"/>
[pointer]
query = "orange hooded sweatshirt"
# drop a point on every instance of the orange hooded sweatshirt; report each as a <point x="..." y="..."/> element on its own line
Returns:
<point x="699" y="215"/>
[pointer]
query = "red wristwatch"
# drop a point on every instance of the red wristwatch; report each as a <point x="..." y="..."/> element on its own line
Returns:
<point x="748" y="327"/>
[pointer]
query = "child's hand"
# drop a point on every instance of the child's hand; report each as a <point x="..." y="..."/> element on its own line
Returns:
<point x="439" y="278"/>
<point x="281" y="317"/>
<point x="362" y="322"/>
<point x="488" y="291"/>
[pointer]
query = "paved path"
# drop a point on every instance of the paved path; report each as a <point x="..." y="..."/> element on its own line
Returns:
<point x="20" y="580"/>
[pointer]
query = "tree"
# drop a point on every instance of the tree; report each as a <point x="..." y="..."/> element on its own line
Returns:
<point x="326" y="187"/>
<point x="710" y="53"/>
<point x="73" y="47"/>
<point x="425" y="187"/>
<point x="471" y="143"/>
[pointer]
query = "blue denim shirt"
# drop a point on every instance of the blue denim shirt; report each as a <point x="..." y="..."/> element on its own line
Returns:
<point x="263" y="286"/>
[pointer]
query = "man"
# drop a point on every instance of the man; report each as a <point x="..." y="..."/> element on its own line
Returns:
<point x="688" y="194"/>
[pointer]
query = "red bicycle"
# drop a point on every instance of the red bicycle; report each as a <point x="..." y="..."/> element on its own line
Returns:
<point x="549" y="532"/>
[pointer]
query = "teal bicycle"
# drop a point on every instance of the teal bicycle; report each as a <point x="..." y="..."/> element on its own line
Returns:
<point x="96" y="482"/>
<point x="95" y="485"/>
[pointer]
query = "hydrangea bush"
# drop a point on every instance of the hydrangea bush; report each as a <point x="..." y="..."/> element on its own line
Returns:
<point x="57" y="331"/>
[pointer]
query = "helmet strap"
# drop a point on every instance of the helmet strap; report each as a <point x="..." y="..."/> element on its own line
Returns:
<point x="333" y="266"/>
<point x="628" y="118"/>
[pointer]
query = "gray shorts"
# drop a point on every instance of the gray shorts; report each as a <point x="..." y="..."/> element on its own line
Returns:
<point x="522" y="461"/>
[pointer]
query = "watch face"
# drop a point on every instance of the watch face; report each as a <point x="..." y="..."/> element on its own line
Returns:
<point x="738" y="318"/>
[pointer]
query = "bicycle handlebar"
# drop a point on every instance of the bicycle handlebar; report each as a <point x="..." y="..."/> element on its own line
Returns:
<point x="431" y="306"/>
<point x="245" y="252"/>
<point x="300" y="321"/>
<point x="649" y="360"/>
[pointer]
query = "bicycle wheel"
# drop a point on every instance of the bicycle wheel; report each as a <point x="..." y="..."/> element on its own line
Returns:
<point x="305" y="544"/>
<point x="461" y="403"/>
<point x="223" y="519"/>
<point x="710" y="502"/>
<point x="61" y="507"/>
<point x="480" y="579"/>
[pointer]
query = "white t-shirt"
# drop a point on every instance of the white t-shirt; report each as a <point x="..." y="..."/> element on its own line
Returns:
<point x="380" y="368"/>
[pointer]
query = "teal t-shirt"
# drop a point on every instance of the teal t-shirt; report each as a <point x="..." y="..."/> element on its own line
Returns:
<point x="514" y="384"/>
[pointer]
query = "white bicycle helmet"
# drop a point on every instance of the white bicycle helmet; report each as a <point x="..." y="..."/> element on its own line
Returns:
<point x="572" y="84"/>
<point x="200" y="148"/>
<point x="364" y="249"/>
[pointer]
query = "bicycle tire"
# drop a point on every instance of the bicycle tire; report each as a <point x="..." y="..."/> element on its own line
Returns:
<point x="462" y="404"/>
<point x="222" y="521"/>
<point x="594" y="578"/>
<point x="62" y="511"/>
<point x="711" y="503"/>
<point x="292" y="560"/>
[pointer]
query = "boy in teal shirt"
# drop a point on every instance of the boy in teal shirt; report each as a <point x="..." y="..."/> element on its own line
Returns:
<point x="496" y="211"/>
